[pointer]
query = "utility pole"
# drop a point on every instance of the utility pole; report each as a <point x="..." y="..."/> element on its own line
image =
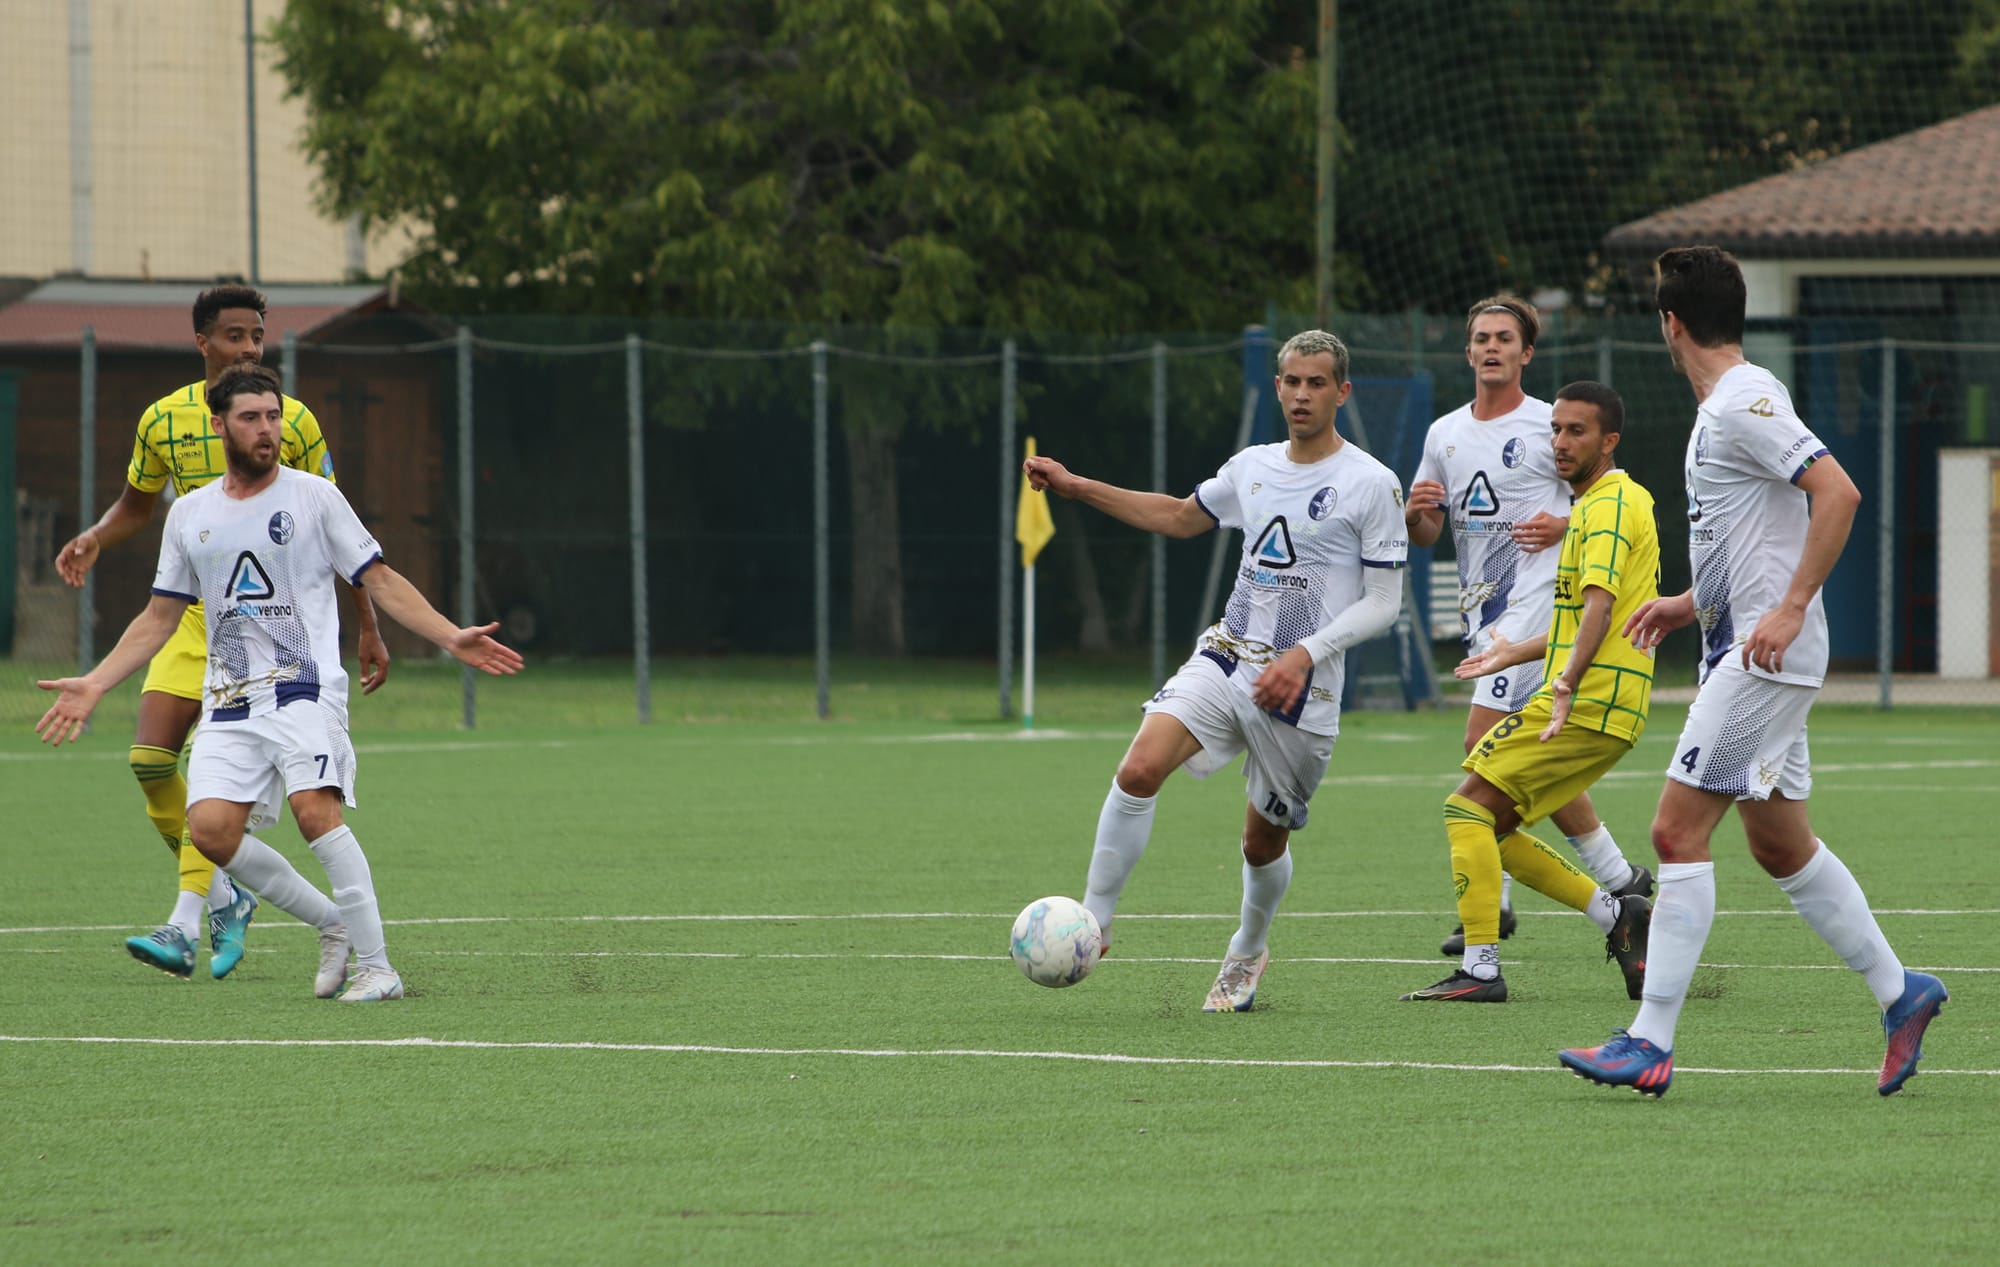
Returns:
<point x="1329" y="28"/>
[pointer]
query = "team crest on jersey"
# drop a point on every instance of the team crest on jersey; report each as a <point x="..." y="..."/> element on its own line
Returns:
<point x="326" y="465"/>
<point x="281" y="527"/>
<point x="1701" y="446"/>
<point x="1274" y="548"/>
<point x="249" y="579"/>
<point x="1515" y="453"/>
<point x="1322" y="503"/>
<point x="1480" y="499"/>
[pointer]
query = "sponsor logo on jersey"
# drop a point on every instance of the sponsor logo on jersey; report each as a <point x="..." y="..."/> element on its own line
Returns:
<point x="1701" y="446"/>
<point x="204" y="536"/>
<point x="281" y="527"/>
<point x="1274" y="546"/>
<point x="326" y="465"/>
<point x="1322" y="502"/>
<point x="1515" y="453"/>
<point x="1480" y="499"/>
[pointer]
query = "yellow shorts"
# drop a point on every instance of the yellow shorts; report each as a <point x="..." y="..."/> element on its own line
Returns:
<point x="182" y="664"/>
<point x="1540" y="778"/>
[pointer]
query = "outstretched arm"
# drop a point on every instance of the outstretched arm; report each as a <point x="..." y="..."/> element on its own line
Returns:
<point x="473" y="645"/>
<point x="125" y="517"/>
<point x="1501" y="654"/>
<point x="1152" y="512"/>
<point x="142" y="640"/>
<point x="1591" y="629"/>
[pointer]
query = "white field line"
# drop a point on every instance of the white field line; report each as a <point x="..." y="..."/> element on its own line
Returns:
<point x="863" y="916"/>
<point x="943" y="1053"/>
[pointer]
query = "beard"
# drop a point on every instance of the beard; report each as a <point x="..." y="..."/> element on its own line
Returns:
<point x="248" y="463"/>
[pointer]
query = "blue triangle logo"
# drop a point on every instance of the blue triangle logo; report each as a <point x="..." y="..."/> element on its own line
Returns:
<point x="1480" y="499"/>
<point x="250" y="580"/>
<point x="1274" y="548"/>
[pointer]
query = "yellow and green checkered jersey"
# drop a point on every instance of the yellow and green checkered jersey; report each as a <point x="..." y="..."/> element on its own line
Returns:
<point x="1612" y="544"/>
<point x="175" y="442"/>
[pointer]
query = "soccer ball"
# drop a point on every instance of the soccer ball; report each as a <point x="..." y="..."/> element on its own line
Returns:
<point x="1055" y="941"/>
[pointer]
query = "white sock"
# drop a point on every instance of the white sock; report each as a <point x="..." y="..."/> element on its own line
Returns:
<point x="1681" y="920"/>
<point x="1482" y="962"/>
<point x="187" y="914"/>
<point x="1603" y="910"/>
<point x="1825" y="893"/>
<point x="1263" y="888"/>
<point x="1123" y="827"/>
<point x="354" y="892"/>
<point x="221" y="892"/>
<point x="266" y="871"/>
<point x="1602" y="858"/>
<point x="1506" y="891"/>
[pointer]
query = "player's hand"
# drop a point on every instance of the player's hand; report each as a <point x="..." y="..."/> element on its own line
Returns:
<point x="1558" y="709"/>
<point x="73" y="560"/>
<point x="1658" y="617"/>
<point x="66" y="717"/>
<point x="1776" y="629"/>
<point x="1480" y="663"/>
<point x="374" y="655"/>
<point x="475" y="646"/>
<point x="1425" y="495"/>
<point x="1538" y="534"/>
<point x="1045" y="474"/>
<point x="1282" y="682"/>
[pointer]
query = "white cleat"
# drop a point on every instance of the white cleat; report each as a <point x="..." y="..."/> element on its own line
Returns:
<point x="333" y="952"/>
<point x="1236" y="985"/>
<point x="372" y="985"/>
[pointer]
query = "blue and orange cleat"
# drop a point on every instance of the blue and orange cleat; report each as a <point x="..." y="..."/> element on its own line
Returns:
<point x="1624" y="1061"/>
<point x="1904" y="1024"/>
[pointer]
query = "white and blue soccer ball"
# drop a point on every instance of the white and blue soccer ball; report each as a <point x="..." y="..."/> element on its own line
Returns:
<point x="1055" y="941"/>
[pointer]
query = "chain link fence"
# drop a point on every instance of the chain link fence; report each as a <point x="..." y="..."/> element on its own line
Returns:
<point x="626" y="497"/>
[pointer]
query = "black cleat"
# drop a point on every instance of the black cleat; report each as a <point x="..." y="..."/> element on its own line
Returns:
<point x="1626" y="942"/>
<point x="1460" y="987"/>
<point x="1641" y="883"/>
<point x="1454" y="945"/>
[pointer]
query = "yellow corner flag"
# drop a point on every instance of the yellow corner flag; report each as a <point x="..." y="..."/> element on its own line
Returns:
<point x="1032" y="525"/>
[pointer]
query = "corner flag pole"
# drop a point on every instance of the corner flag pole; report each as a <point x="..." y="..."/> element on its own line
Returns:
<point x="1033" y="527"/>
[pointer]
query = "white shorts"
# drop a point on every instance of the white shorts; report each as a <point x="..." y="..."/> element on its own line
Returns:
<point x="260" y="761"/>
<point x="1285" y="764"/>
<point x="1746" y="737"/>
<point x="1508" y="690"/>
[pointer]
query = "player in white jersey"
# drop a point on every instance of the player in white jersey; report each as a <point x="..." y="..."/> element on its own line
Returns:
<point x="1489" y="472"/>
<point x="1323" y="543"/>
<point x="261" y="547"/>
<point x="1760" y="555"/>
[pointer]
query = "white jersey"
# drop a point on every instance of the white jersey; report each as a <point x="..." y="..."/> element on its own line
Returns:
<point x="1747" y="518"/>
<point x="1307" y="533"/>
<point x="264" y="567"/>
<point x="1497" y="473"/>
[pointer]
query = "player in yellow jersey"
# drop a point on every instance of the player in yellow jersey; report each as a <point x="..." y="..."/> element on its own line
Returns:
<point x="176" y="443"/>
<point x="1590" y="710"/>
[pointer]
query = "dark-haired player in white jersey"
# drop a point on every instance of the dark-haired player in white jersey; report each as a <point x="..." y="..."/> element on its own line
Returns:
<point x="1323" y="544"/>
<point x="1761" y="553"/>
<point x="1489" y="471"/>
<point x="260" y="547"/>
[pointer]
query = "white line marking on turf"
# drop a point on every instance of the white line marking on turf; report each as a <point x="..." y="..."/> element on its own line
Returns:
<point x="743" y="918"/>
<point x="710" y="1049"/>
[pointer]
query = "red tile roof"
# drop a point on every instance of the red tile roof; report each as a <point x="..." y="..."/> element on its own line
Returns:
<point x="1935" y="191"/>
<point x="157" y="314"/>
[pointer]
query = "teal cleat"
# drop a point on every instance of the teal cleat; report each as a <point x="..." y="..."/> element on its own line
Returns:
<point x="166" y="948"/>
<point x="226" y="930"/>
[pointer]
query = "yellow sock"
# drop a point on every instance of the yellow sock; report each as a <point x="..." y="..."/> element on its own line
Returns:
<point x="197" y="872"/>
<point x="1545" y="871"/>
<point x="1475" y="868"/>
<point x="159" y="773"/>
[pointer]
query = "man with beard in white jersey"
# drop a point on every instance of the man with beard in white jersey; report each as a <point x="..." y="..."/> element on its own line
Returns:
<point x="1323" y="545"/>
<point x="1488" y="469"/>
<point x="1760" y="554"/>
<point x="260" y="548"/>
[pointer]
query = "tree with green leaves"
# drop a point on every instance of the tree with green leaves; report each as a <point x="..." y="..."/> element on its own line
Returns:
<point x="1092" y="166"/>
